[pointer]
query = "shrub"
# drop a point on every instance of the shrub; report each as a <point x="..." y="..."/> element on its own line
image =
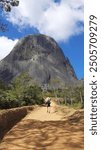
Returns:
<point x="21" y="93"/>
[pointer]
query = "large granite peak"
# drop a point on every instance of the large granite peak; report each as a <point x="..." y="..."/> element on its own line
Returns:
<point x="42" y="58"/>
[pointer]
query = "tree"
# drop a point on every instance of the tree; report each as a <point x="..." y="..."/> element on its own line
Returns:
<point x="21" y="92"/>
<point x="33" y="95"/>
<point x="7" y="5"/>
<point x="72" y="95"/>
<point x="79" y="95"/>
<point x="68" y="95"/>
<point x="54" y="85"/>
<point x="19" y="85"/>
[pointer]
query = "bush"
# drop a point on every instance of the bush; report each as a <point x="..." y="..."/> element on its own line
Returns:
<point x="21" y="93"/>
<point x="33" y="95"/>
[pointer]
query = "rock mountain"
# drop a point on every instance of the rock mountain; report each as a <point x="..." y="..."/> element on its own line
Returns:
<point x="42" y="58"/>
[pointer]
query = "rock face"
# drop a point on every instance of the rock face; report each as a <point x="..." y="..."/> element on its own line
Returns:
<point x="42" y="58"/>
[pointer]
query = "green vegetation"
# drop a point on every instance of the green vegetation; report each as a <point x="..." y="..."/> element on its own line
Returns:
<point x="20" y="93"/>
<point x="23" y="92"/>
<point x="72" y="96"/>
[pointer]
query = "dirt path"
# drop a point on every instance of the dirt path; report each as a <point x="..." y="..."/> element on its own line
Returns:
<point x="40" y="113"/>
<point x="40" y="130"/>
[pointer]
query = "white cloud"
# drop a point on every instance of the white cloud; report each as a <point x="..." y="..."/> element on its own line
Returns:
<point x="6" y="46"/>
<point x="59" y="20"/>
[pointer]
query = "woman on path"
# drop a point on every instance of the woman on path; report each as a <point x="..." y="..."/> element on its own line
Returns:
<point x="48" y="103"/>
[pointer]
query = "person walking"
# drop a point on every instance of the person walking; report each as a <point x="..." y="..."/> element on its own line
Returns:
<point x="48" y="103"/>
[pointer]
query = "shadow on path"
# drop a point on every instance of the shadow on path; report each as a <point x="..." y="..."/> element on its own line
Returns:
<point x="44" y="135"/>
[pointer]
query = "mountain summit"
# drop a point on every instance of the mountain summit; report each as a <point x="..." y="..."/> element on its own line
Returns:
<point x="42" y="58"/>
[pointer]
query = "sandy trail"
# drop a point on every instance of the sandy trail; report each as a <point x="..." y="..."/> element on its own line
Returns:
<point x="40" y="130"/>
<point x="40" y="113"/>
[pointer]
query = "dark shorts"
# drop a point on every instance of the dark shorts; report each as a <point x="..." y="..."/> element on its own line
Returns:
<point x="48" y="105"/>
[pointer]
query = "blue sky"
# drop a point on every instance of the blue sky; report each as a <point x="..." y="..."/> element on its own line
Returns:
<point x="74" y="50"/>
<point x="61" y="20"/>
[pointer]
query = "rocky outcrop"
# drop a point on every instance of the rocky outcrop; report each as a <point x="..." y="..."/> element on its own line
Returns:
<point x="42" y="58"/>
